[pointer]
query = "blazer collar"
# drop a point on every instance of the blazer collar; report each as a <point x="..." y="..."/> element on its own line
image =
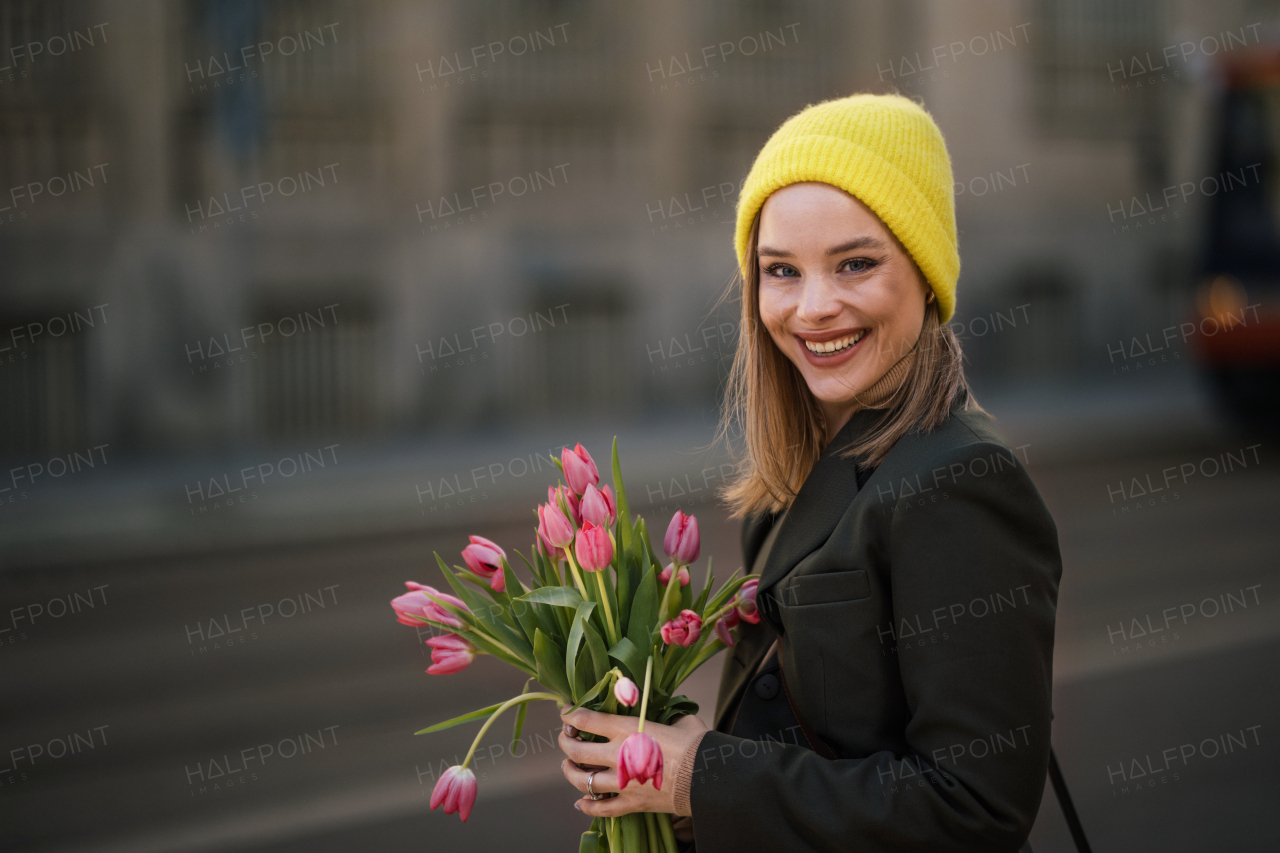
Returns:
<point x="820" y="504"/>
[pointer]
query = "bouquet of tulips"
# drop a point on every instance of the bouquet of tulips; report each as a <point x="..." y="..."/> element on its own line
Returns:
<point x="598" y="614"/>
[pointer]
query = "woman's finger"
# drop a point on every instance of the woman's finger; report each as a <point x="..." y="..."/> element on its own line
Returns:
<point x="603" y="782"/>
<point x="582" y="752"/>
<point x="609" y="807"/>
<point x="608" y="725"/>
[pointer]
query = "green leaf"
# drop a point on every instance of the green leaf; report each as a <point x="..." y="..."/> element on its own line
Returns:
<point x="703" y="655"/>
<point x="644" y="611"/>
<point x="514" y="586"/>
<point x="728" y="591"/>
<point x="521" y="709"/>
<point x="599" y="657"/>
<point x="485" y="644"/>
<point x="632" y="659"/>
<point x="457" y="721"/>
<point x="486" y="615"/>
<point x="625" y="587"/>
<point x="699" y="606"/>
<point x="526" y="614"/>
<point x="590" y="842"/>
<point x="676" y="706"/>
<point x="533" y="569"/>
<point x="575" y="640"/>
<point x="593" y="692"/>
<point x="515" y="732"/>
<point x="550" y="665"/>
<point x="557" y="596"/>
<point x="670" y="600"/>
<point x="623" y="533"/>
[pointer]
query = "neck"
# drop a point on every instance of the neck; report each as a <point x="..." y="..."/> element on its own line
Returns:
<point x="875" y="397"/>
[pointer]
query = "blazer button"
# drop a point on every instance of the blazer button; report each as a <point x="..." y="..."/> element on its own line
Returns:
<point x="767" y="686"/>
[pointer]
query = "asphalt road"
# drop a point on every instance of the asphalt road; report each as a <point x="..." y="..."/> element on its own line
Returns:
<point x="125" y="725"/>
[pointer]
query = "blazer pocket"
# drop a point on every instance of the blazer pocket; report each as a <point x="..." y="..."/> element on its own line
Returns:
<point x="828" y="587"/>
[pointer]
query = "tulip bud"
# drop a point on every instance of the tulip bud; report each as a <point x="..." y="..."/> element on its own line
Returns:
<point x="747" y="602"/>
<point x="682" y="541"/>
<point x="594" y="548"/>
<point x="598" y="506"/>
<point x="554" y="527"/>
<point x="456" y="789"/>
<point x="450" y="654"/>
<point x="485" y="559"/>
<point x="626" y="692"/>
<point x="579" y="469"/>
<point x="722" y="629"/>
<point x="665" y="575"/>
<point x="683" y="630"/>
<point x="551" y="552"/>
<point x="416" y="603"/>
<point x="570" y="500"/>
<point x="640" y="758"/>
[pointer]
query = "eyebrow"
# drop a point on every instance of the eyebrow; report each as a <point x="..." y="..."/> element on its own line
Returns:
<point x="857" y="243"/>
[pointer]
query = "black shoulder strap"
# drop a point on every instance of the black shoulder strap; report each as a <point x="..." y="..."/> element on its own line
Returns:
<point x="1068" y="807"/>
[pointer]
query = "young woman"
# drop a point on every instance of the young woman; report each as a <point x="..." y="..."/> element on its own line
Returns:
<point x="895" y="693"/>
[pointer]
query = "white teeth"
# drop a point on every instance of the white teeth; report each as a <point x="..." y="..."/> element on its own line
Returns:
<point x="836" y="345"/>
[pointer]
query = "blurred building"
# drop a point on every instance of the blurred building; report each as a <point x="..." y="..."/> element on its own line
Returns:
<point x="264" y="221"/>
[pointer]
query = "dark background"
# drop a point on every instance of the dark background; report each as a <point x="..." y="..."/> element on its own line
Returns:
<point x="428" y="359"/>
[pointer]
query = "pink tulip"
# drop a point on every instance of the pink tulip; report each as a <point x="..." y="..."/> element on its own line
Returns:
<point x="626" y="692"/>
<point x="598" y="506"/>
<point x="682" y="541"/>
<point x="554" y="527"/>
<point x="722" y="631"/>
<point x="450" y="654"/>
<point x="456" y="789"/>
<point x="485" y="559"/>
<point x="682" y="630"/>
<point x="747" y="602"/>
<point x="570" y="499"/>
<point x="640" y="758"/>
<point x="665" y="575"/>
<point x="416" y="603"/>
<point x="551" y="552"/>
<point x="593" y="548"/>
<point x="579" y="469"/>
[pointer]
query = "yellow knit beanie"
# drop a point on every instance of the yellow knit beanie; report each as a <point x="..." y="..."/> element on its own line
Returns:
<point x="884" y="150"/>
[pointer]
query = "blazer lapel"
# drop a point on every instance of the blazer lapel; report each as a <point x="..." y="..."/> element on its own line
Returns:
<point x="821" y="503"/>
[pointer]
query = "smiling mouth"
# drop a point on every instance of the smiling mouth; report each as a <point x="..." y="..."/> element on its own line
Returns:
<point x="827" y="348"/>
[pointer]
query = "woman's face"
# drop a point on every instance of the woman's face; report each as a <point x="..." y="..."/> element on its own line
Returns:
<point x="839" y="294"/>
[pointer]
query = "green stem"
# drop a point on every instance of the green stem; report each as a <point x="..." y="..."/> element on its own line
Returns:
<point x="608" y="611"/>
<point x="668" y="835"/>
<point x="651" y="833"/>
<point x="644" y="700"/>
<point x="523" y="697"/>
<point x="577" y="578"/>
<point x="474" y="627"/>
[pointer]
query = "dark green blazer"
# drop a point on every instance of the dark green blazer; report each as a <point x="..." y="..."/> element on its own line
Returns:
<point x="916" y="615"/>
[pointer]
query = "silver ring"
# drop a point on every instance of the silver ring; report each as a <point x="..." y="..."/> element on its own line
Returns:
<point x="591" y="791"/>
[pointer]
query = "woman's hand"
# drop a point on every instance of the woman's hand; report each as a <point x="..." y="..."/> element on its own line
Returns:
<point x="673" y="740"/>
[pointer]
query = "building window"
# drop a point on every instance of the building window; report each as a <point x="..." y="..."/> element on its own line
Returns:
<point x="1085" y="77"/>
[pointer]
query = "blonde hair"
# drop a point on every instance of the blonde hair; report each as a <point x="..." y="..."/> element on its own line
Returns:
<point x="782" y="426"/>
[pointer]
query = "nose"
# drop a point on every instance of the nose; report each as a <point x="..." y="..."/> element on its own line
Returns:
<point x="819" y="301"/>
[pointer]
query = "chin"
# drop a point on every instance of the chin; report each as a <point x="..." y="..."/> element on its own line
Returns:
<point x="837" y="390"/>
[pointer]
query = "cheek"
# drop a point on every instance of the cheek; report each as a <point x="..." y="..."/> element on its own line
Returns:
<point x="773" y="315"/>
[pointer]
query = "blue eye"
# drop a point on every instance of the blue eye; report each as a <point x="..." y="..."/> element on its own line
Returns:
<point x="865" y="264"/>
<point x="781" y="270"/>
